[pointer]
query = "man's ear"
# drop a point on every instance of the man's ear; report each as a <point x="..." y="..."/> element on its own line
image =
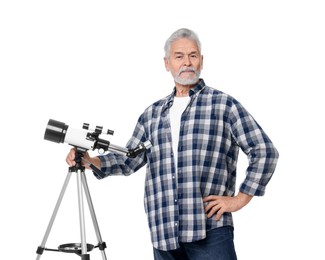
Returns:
<point x="166" y="63"/>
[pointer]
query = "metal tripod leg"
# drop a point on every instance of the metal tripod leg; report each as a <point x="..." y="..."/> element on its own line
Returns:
<point x="81" y="184"/>
<point x="101" y="244"/>
<point x="81" y="216"/>
<point x="49" y="227"/>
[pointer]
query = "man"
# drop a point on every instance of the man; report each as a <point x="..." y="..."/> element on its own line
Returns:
<point x="196" y="133"/>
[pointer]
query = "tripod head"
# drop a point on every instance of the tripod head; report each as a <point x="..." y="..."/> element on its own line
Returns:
<point x="78" y="159"/>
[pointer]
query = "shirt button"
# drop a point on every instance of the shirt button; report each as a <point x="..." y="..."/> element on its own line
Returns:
<point x="175" y="200"/>
<point x="176" y="224"/>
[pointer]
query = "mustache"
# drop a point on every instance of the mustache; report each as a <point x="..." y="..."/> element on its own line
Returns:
<point x="186" y="69"/>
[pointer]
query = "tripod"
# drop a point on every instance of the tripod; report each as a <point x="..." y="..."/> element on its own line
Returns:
<point x="82" y="248"/>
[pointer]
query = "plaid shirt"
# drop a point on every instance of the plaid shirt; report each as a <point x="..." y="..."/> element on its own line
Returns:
<point x="213" y="128"/>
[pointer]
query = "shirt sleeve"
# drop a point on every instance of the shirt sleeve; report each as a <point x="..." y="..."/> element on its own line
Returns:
<point x="254" y="142"/>
<point x="117" y="164"/>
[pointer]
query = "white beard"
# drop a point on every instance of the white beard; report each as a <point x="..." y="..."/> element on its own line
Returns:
<point x="188" y="80"/>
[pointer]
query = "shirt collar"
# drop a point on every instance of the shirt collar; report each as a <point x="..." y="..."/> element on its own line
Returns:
<point x="196" y="89"/>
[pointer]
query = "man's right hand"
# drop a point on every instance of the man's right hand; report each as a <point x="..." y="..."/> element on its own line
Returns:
<point x="70" y="157"/>
<point x="87" y="159"/>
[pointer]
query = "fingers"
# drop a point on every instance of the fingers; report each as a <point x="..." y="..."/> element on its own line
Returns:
<point x="210" y="203"/>
<point x="70" y="157"/>
<point x="209" y="198"/>
<point x="216" y="205"/>
<point x="213" y="210"/>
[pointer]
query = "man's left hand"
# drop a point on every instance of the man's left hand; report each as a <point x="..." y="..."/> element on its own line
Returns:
<point x="221" y="204"/>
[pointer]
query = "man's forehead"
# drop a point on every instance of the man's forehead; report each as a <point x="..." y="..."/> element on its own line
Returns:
<point x="184" y="45"/>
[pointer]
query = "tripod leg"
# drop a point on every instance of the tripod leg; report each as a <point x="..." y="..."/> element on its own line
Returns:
<point x="81" y="215"/>
<point x="102" y="244"/>
<point x="49" y="227"/>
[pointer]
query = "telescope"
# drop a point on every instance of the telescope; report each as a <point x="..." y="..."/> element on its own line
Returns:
<point x="88" y="138"/>
<point x="83" y="139"/>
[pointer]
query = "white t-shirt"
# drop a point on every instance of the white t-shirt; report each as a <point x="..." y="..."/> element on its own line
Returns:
<point x="176" y="111"/>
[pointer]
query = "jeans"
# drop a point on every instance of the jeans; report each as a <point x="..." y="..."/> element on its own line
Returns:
<point x="218" y="245"/>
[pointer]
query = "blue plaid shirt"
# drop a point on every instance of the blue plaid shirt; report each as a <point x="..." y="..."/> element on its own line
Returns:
<point x="213" y="128"/>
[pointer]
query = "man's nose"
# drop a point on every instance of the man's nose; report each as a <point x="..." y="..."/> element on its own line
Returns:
<point x="187" y="61"/>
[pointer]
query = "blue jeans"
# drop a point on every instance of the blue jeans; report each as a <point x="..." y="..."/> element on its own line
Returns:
<point x="218" y="245"/>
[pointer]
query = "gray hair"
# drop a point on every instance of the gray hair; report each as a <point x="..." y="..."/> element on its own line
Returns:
<point x="180" y="34"/>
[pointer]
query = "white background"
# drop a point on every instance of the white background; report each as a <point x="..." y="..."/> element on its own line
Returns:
<point x="101" y="62"/>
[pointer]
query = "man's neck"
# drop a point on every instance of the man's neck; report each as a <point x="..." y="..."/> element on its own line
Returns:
<point x="183" y="90"/>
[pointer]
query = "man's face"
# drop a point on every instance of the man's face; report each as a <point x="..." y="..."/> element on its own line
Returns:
<point x="185" y="62"/>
